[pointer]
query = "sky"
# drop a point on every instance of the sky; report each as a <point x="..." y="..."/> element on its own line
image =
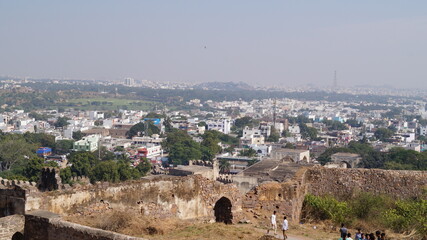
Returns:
<point x="263" y="43"/>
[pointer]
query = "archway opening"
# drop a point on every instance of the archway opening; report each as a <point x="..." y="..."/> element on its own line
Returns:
<point x="346" y="164"/>
<point x="223" y="211"/>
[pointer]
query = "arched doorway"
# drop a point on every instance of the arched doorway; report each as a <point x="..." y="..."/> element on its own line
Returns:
<point x="346" y="164"/>
<point x="223" y="211"/>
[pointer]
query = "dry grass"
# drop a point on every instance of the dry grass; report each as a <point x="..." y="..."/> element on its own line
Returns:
<point x="131" y="223"/>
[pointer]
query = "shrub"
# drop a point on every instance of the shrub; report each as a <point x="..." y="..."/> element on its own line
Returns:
<point x="327" y="207"/>
<point x="408" y="215"/>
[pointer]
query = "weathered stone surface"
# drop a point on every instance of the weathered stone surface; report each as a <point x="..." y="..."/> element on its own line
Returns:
<point x="43" y="225"/>
<point x="344" y="183"/>
<point x="10" y="225"/>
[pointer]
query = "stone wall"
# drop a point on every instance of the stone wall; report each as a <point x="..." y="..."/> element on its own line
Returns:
<point x="163" y="196"/>
<point x="344" y="183"/>
<point x="287" y="197"/>
<point x="42" y="225"/>
<point x="10" y="225"/>
<point x="12" y="201"/>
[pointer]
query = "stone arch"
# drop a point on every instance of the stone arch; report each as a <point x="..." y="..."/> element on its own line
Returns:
<point x="222" y="211"/>
<point x="345" y="163"/>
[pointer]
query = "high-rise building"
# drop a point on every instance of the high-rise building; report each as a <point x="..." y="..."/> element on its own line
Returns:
<point x="129" y="81"/>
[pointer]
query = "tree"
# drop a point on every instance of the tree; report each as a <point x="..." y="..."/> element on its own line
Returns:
<point x="66" y="175"/>
<point x="15" y="150"/>
<point x="82" y="163"/>
<point x="224" y="166"/>
<point x="105" y="171"/>
<point x="99" y="122"/>
<point x="353" y="123"/>
<point x="383" y="134"/>
<point x="248" y="152"/>
<point x="40" y="139"/>
<point x="274" y="135"/>
<point x="334" y="125"/>
<point x="33" y="169"/>
<point x="144" y="166"/>
<point x="290" y="146"/>
<point x="210" y="145"/>
<point x="61" y="122"/>
<point x="154" y="115"/>
<point x="181" y="147"/>
<point x="136" y="130"/>
<point x="252" y="162"/>
<point x="244" y="121"/>
<point x="77" y="135"/>
<point x="126" y="172"/>
<point x="308" y="132"/>
<point x="63" y="146"/>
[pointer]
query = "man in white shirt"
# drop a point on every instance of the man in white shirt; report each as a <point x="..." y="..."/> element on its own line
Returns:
<point x="273" y="222"/>
<point x="285" y="227"/>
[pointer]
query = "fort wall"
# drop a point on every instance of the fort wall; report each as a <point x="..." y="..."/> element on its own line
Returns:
<point x="42" y="225"/>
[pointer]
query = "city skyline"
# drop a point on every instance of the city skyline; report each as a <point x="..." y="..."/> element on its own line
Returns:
<point x="277" y="44"/>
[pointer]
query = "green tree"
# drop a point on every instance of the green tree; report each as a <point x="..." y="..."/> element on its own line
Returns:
<point x="61" y="122"/>
<point x="224" y="166"/>
<point x="383" y="134"/>
<point x="15" y="150"/>
<point x="136" y="130"/>
<point x="66" y="175"/>
<point x="77" y="135"/>
<point x="334" y="125"/>
<point x="99" y="122"/>
<point x="274" y="135"/>
<point x="33" y="169"/>
<point x="248" y="152"/>
<point x="154" y="115"/>
<point x="105" y="171"/>
<point x="353" y="123"/>
<point x="210" y="145"/>
<point x="181" y="147"/>
<point x="64" y="146"/>
<point x="82" y="163"/>
<point x="308" y="132"/>
<point x="243" y="122"/>
<point x="127" y="172"/>
<point x="144" y="166"/>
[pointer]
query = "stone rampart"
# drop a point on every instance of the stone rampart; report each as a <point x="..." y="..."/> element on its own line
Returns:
<point x="345" y="183"/>
<point x="163" y="196"/>
<point x="287" y="197"/>
<point x="42" y="225"/>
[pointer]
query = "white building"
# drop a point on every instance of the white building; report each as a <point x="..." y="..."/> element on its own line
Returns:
<point x="294" y="129"/>
<point x="423" y="131"/>
<point x="222" y="125"/>
<point x="95" y="115"/>
<point x="129" y="82"/>
<point x="251" y="136"/>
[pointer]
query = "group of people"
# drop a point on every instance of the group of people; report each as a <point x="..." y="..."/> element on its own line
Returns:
<point x="285" y="225"/>
<point x="359" y="235"/>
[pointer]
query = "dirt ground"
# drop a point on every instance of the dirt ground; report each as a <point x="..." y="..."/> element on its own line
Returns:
<point x="134" y="224"/>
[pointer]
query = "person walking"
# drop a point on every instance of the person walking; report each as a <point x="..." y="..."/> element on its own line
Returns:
<point x="273" y="223"/>
<point x="285" y="227"/>
<point x="343" y="231"/>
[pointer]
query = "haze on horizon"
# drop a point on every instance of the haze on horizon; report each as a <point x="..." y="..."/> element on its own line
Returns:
<point x="258" y="42"/>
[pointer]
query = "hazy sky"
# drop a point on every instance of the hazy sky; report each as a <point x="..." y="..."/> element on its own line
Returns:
<point x="259" y="42"/>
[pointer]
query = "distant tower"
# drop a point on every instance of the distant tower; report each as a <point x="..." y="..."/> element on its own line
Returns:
<point x="335" y="80"/>
<point x="274" y="113"/>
